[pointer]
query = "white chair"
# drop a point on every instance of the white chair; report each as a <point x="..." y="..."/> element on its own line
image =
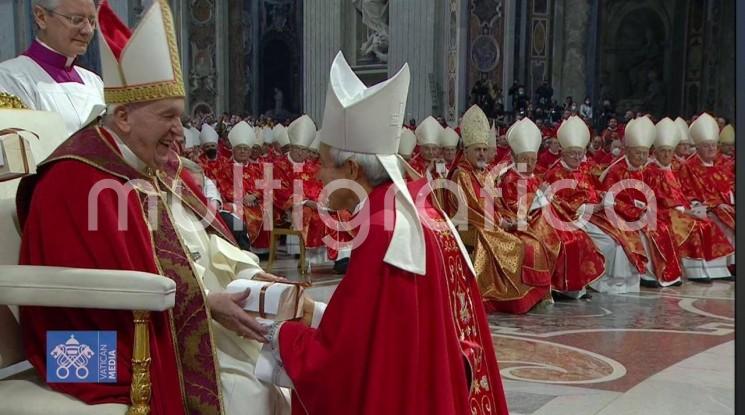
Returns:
<point x="24" y="393"/>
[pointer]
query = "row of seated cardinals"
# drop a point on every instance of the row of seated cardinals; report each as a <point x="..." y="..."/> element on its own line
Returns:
<point x="681" y="185"/>
<point x="602" y="151"/>
<point x="288" y="208"/>
<point x="689" y="198"/>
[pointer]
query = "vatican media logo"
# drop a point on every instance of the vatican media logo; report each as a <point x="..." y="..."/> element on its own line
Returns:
<point x="81" y="357"/>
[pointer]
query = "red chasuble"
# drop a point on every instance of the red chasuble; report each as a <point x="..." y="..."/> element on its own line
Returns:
<point x="630" y="204"/>
<point x="547" y="159"/>
<point x="419" y="164"/>
<point x="392" y="342"/>
<point x="310" y="187"/>
<point x="694" y="238"/>
<point x="678" y="162"/>
<point x="503" y="154"/>
<point x="603" y="158"/>
<point x="541" y="245"/>
<point x="253" y="216"/>
<point x="62" y="237"/>
<point x="212" y="167"/>
<point x="566" y="203"/>
<point x="711" y="185"/>
<point x="575" y="259"/>
<point x="224" y="150"/>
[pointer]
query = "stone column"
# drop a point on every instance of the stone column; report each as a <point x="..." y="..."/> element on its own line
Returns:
<point x="8" y="30"/>
<point x="221" y="55"/>
<point x="23" y="24"/>
<point x="240" y="40"/>
<point x="461" y="54"/>
<point x="508" y="59"/>
<point x="412" y="38"/>
<point x="322" y="40"/>
<point x="180" y="11"/>
<point x="570" y="71"/>
<point x="725" y="102"/>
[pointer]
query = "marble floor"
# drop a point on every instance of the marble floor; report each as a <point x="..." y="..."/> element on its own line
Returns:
<point x="659" y="351"/>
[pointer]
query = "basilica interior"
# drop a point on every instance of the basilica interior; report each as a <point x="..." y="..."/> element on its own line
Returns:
<point x="657" y="351"/>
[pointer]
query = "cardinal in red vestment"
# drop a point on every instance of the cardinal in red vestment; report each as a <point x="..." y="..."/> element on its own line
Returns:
<point x="520" y="204"/>
<point x="683" y="151"/>
<point x="210" y="159"/>
<point x="405" y="331"/>
<point x="429" y="134"/>
<point x="578" y="205"/>
<point x="237" y="183"/>
<point x="549" y="155"/>
<point x="707" y="183"/>
<point x="701" y="245"/>
<point x="625" y="180"/>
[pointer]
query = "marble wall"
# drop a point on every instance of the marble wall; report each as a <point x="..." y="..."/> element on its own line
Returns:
<point x="570" y="61"/>
<point x="449" y="45"/>
<point x="416" y="36"/>
<point x="725" y="102"/>
<point x="8" y="29"/>
<point x="412" y="41"/>
<point x="240" y="46"/>
<point x="486" y="41"/>
<point x="322" y="40"/>
<point x="454" y="40"/>
<point x="540" y="49"/>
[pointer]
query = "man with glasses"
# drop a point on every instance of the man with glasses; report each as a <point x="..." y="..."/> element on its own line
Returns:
<point x="45" y="76"/>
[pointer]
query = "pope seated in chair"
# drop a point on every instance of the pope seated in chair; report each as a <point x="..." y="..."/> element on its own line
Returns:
<point x="122" y="201"/>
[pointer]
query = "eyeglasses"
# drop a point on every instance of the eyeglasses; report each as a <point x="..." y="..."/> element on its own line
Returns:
<point x="77" y="20"/>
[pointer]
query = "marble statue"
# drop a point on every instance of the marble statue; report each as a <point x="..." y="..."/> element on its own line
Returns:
<point x="278" y="101"/>
<point x="375" y="17"/>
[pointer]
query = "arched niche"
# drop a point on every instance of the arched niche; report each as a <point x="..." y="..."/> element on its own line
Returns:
<point x="636" y="56"/>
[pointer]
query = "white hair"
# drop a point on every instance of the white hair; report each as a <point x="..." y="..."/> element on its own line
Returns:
<point x="46" y="4"/>
<point x="369" y="163"/>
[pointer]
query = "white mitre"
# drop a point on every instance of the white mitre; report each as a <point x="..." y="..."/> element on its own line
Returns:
<point x="208" y="134"/>
<point x="191" y="137"/>
<point x="280" y="135"/>
<point x="242" y="134"/>
<point x="267" y="135"/>
<point x="302" y="131"/>
<point x="524" y="137"/>
<point x="408" y="142"/>
<point x="368" y="120"/>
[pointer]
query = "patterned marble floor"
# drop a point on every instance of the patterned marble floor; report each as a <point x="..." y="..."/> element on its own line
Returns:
<point x="666" y="351"/>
